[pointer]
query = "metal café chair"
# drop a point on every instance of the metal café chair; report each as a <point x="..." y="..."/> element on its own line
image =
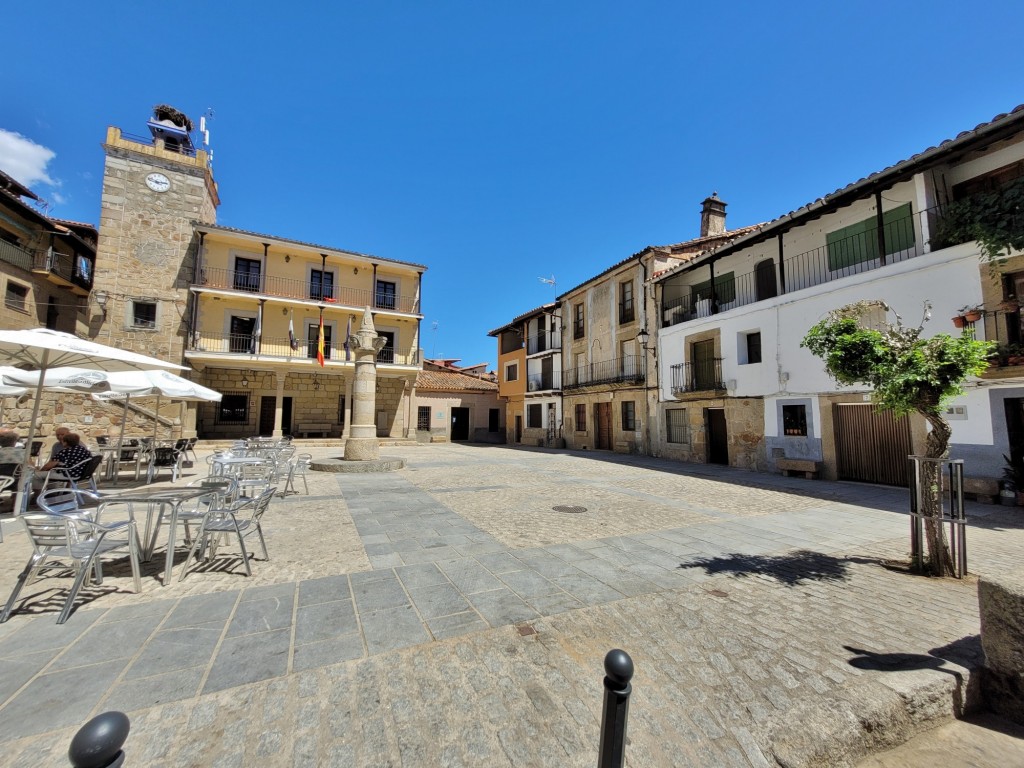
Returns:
<point x="84" y="472"/>
<point x="220" y="521"/>
<point x="164" y="457"/>
<point x="254" y="479"/>
<point x="7" y="483"/>
<point x="57" y="539"/>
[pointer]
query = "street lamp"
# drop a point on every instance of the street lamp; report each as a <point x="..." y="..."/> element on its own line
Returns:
<point x="644" y="338"/>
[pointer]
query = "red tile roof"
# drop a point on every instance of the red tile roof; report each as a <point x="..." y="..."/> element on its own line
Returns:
<point x="451" y="381"/>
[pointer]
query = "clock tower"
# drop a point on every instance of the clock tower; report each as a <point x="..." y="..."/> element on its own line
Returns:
<point x="154" y="188"/>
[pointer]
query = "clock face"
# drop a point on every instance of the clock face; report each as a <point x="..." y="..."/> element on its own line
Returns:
<point x="158" y="182"/>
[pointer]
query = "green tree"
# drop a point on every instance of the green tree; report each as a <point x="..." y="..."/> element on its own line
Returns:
<point x="908" y="374"/>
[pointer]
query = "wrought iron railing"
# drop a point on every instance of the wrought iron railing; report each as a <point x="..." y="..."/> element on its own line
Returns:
<point x="543" y="382"/>
<point x="700" y="376"/>
<point x="65" y="266"/>
<point x="543" y="341"/>
<point x="281" y="347"/>
<point x="631" y="369"/>
<point x="179" y="148"/>
<point x="310" y="290"/>
<point x="837" y="259"/>
<point x="19" y="257"/>
<point x="626" y="312"/>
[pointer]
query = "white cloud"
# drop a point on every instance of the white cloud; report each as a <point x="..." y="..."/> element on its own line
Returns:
<point x="25" y="160"/>
<point x="58" y="198"/>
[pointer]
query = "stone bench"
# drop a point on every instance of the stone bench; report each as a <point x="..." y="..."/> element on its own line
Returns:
<point x="807" y="467"/>
<point x="320" y="429"/>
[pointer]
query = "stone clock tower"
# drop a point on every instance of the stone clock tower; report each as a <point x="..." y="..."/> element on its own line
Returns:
<point x="153" y="189"/>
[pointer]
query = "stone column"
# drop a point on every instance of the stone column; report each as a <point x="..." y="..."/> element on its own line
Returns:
<point x="362" y="442"/>
<point x="348" y="407"/>
<point x="279" y="406"/>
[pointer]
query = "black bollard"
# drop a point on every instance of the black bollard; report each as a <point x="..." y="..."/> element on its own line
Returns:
<point x="618" y="668"/>
<point x="98" y="743"/>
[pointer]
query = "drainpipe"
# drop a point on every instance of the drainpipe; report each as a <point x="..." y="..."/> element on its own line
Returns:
<point x="373" y="288"/>
<point x="419" y="320"/>
<point x="782" y="267"/>
<point x="647" y="386"/>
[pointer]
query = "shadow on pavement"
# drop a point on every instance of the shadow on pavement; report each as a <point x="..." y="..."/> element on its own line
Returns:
<point x="790" y="569"/>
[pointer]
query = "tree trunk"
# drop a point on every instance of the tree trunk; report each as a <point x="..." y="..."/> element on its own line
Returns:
<point x="940" y="562"/>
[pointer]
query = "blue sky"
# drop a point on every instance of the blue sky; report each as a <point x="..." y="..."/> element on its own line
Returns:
<point x="499" y="143"/>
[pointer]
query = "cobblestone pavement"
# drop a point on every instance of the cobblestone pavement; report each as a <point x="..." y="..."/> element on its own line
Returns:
<point x="447" y="615"/>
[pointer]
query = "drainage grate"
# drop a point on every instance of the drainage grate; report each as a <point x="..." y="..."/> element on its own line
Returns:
<point x="570" y="510"/>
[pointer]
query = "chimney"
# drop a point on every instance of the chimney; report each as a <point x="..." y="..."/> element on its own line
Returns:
<point x="712" y="216"/>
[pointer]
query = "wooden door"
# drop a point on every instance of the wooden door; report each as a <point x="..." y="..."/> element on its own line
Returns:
<point x="460" y="424"/>
<point x="764" y="280"/>
<point x="603" y="419"/>
<point x="871" y="446"/>
<point x="268" y="404"/>
<point x="718" y="436"/>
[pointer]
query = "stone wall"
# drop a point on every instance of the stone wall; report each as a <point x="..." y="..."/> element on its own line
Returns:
<point x="392" y="402"/>
<point x="1001" y="606"/>
<point x="623" y="441"/>
<point x="744" y="419"/>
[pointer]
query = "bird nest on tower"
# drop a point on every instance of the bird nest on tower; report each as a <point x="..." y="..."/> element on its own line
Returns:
<point x="167" y="112"/>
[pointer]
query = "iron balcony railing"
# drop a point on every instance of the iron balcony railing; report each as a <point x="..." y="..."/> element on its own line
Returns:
<point x="631" y="369"/>
<point x="701" y="376"/>
<point x="544" y="382"/>
<point x="280" y="347"/>
<point x="837" y="259"/>
<point x="19" y="257"/>
<point x="69" y="267"/>
<point x="179" y="148"/>
<point x="310" y="290"/>
<point x="543" y="341"/>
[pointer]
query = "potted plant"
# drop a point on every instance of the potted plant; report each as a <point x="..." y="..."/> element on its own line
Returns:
<point x="971" y="313"/>
<point x="1013" y="474"/>
<point x="959" y="321"/>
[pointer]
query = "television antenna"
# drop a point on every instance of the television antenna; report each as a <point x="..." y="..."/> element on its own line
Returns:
<point x="433" y="348"/>
<point x="548" y="280"/>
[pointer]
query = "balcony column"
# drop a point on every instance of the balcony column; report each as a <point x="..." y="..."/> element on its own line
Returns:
<point x="373" y="287"/>
<point x="266" y="266"/>
<point x="279" y="404"/>
<point x="782" y="265"/>
<point x="714" y="293"/>
<point x="259" y="327"/>
<point x="880" y="224"/>
<point x="924" y="191"/>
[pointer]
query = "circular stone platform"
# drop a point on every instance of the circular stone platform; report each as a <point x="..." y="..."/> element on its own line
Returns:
<point x="383" y="464"/>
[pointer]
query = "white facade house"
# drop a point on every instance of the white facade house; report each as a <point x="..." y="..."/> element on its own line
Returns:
<point x="542" y="334"/>
<point x="736" y="387"/>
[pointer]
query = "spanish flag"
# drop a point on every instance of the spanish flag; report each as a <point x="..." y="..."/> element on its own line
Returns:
<point x="320" y="341"/>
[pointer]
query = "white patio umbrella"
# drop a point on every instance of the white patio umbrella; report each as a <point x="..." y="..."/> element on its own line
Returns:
<point x="128" y="384"/>
<point x="43" y="349"/>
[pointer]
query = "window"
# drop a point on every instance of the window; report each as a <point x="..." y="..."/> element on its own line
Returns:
<point x="242" y="337"/>
<point x="233" y="409"/>
<point x="386" y="293"/>
<point x="725" y="289"/>
<point x="512" y="372"/>
<point x="628" y="416"/>
<point x="247" y="274"/>
<point x="16" y="297"/>
<point x="494" y="420"/>
<point x="858" y="242"/>
<point x="676" y="421"/>
<point x="626" y="314"/>
<point x="387" y="352"/>
<point x="581" y="417"/>
<point x="510" y="341"/>
<point x="577" y="321"/>
<point x="313" y="335"/>
<point x="534" y="416"/>
<point x="423" y="418"/>
<point x="143" y="314"/>
<point x="321" y="285"/>
<point x="753" y="341"/>
<point x="794" y="420"/>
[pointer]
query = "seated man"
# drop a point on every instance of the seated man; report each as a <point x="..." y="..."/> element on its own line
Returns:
<point x="74" y="453"/>
<point x="9" y="453"/>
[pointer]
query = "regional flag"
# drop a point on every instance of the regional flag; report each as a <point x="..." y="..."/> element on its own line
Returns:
<point x="348" y="337"/>
<point x="320" y="342"/>
<point x="292" y="341"/>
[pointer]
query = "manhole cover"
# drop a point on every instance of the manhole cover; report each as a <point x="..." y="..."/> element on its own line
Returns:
<point x="570" y="510"/>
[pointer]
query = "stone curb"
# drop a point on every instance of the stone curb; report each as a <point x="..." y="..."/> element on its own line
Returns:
<point x="869" y="716"/>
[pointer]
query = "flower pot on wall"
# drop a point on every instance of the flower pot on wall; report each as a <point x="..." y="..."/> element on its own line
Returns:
<point x="959" y="321"/>
<point x="972" y="316"/>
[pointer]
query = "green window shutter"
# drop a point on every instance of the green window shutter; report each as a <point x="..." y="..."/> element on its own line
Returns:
<point x="725" y="289"/>
<point x="858" y="242"/>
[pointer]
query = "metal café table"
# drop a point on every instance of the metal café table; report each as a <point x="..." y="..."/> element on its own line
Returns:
<point x="115" y="455"/>
<point x="157" y="500"/>
<point x="224" y="464"/>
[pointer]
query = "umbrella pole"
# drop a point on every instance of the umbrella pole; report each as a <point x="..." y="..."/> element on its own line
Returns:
<point x="21" y="500"/>
<point x="120" y="440"/>
<point x="156" y="418"/>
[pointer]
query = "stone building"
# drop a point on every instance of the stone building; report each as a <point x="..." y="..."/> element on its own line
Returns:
<point x="609" y="378"/>
<point x="451" y="404"/>
<point x="243" y="309"/>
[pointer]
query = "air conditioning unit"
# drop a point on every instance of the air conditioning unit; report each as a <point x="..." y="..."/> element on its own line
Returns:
<point x="533" y="386"/>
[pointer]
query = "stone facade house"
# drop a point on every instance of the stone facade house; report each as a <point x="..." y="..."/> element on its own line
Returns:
<point x="450" y="404"/>
<point x="243" y="308"/>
